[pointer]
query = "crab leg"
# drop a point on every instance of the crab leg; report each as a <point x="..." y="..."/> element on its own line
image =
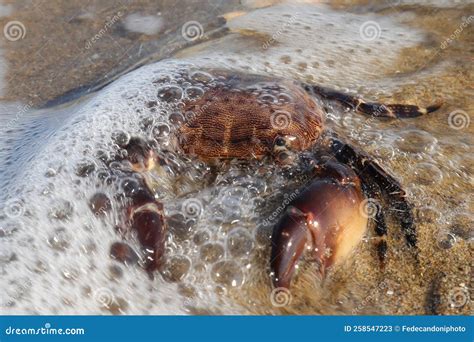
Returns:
<point x="370" y="173"/>
<point x="144" y="214"/>
<point x="325" y="219"/>
<point x="372" y="108"/>
<point x="372" y="191"/>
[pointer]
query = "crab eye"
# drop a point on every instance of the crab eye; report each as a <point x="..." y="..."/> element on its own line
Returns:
<point x="280" y="141"/>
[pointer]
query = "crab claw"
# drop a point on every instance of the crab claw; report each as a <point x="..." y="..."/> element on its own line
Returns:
<point x="325" y="220"/>
<point x="144" y="216"/>
<point x="147" y="221"/>
<point x="140" y="155"/>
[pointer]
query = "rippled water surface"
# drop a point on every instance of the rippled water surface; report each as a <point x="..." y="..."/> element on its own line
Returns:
<point x="127" y="70"/>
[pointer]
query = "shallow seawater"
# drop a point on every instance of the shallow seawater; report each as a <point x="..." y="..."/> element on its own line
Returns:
<point x="220" y="221"/>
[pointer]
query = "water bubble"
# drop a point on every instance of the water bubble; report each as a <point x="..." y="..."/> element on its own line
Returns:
<point x="70" y="273"/>
<point x="130" y="94"/>
<point x="211" y="252"/>
<point x="122" y="252"/>
<point x="160" y="131"/>
<point x="384" y="152"/>
<point x="176" y="268"/>
<point x="121" y="138"/>
<point x="284" y="98"/>
<point x="176" y="118"/>
<point x="59" y="240"/>
<point x="462" y="226"/>
<point x="162" y="79"/>
<point x="447" y="241"/>
<point x="428" y="214"/>
<point x="50" y="173"/>
<point x="170" y="93"/>
<point x="227" y="273"/>
<point x="239" y="243"/>
<point x="201" y="76"/>
<point x="266" y="98"/>
<point x="100" y="204"/>
<point x="9" y="227"/>
<point x="115" y="272"/>
<point x="180" y="227"/>
<point x="416" y="141"/>
<point x="63" y="211"/>
<point x="194" y="92"/>
<point x="85" y="168"/>
<point x="201" y="237"/>
<point x="146" y="123"/>
<point x="427" y="174"/>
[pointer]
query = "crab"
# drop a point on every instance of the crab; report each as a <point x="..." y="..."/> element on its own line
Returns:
<point x="244" y="117"/>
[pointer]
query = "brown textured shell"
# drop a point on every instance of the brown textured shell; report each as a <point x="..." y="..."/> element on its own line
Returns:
<point x="241" y="118"/>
